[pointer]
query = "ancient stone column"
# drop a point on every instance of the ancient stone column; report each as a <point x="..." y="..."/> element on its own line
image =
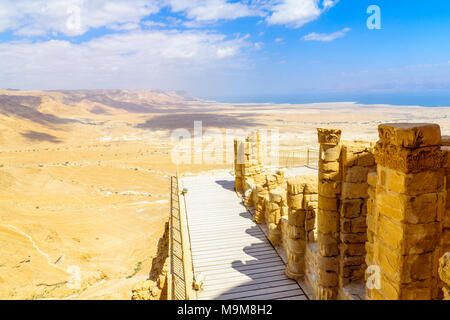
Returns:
<point x="261" y="192"/>
<point x="302" y="203"/>
<point x="445" y="239"/>
<point x="329" y="187"/>
<point x="357" y="161"/>
<point x="410" y="196"/>
<point x="296" y="237"/>
<point x="444" y="273"/>
<point x="274" y="215"/>
<point x="371" y="221"/>
<point x="238" y="165"/>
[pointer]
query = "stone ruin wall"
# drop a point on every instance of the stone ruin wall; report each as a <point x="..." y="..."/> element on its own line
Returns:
<point x="407" y="221"/>
<point x="393" y="214"/>
<point x="343" y="197"/>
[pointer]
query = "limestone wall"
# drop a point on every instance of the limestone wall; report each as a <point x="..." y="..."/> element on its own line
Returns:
<point x="410" y="197"/>
<point x="444" y="273"/>
<point x="357" y="161"/>
<point x="302" y="200"/>
<point x="248" y="164"/>
<point x="385" y="206"/>
<point x="445" y="243"/>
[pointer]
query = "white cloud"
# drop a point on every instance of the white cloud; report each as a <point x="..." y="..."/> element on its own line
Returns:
<point x="154" y="24"/>
<point x="133" y="59"/>
<point x="325" y="37"/>
<point x="296" y="13"/>
<point x="213" y="10"/>
<point x="71" y="17"/>
<point x="75" y="17"/>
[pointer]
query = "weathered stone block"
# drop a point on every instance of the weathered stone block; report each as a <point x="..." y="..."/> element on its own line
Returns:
<point x="327" y="245"/>
<point x="359" y="225"/>
<point x="445" y="238"/>
<point x="410" y="209"/>
<point x="328" y="166"/>
<point x="311" y="186"/>
<point x="415" y="183"/>
<point x="296" y="245"/>
<point x="410" y="135"/>
<point x="357" y="153"/>
<point x="331" y="176"/>
<point x="372" y="179"/>
<point x="276" y="195"/>
<point x="408" y="160"/>
<point x="352" y="249"/>
<point x="330" y="153"/>
<point x="295" y="201"/>
<point x="446" y="219"/>
<point x="310" y="224"/>
<point x="329" y="189"/>
<point x="327" y="278"/>
<point x="311" y="197"/>
<point x="294" y="257"/>
<point x="445" y="141"/>
<point x="444" y="268"/>
<point x="353" y="237"/>
<point x="408" y="238"/>
<point x="329" y="204"/>
<point x="329" y="136"/>
<point x="296" y="218"/>
<point x="328" y="263"/>
<point x="354" y="190"/>
<point x="328" y="222"/>
<point x="351" y="208"/>
<point x="294" y="232"/>
<point x="404" y="268"/>
<point x="311" y="205"/>
<point x="357" y="174"/>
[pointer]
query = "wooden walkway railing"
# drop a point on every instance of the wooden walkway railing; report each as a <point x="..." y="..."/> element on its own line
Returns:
<point x="181" y="270"/>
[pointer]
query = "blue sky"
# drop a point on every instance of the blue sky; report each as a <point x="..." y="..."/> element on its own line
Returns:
<point x="226" y="48"/>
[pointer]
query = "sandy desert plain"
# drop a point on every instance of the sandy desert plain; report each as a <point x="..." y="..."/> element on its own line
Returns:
<point x="84" y="178"/>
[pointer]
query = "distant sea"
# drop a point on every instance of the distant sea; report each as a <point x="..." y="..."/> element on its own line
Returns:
<point x="425" y="99"/>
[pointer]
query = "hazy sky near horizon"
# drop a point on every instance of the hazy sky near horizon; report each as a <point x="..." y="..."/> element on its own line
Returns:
<point x="225" y="47"/>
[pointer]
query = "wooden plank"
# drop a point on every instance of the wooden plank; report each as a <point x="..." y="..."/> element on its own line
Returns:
<point x="272" y="296"/>
<point x="242" y="270"/>
<point x="247" y="287"/>
<point x="228" y="248"/>
<point x="231" y="256"/>
<point x="232" y="250"/>
<point x="232" y="283"/>
<point x="260" y="291"/>
<point x="200" y="264"/>
<point x="224" y="269"/>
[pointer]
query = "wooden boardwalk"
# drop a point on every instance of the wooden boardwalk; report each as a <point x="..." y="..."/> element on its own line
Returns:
<point x="229" y="249"/>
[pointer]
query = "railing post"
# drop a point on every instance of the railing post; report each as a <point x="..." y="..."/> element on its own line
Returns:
<point x="307" y="157"/>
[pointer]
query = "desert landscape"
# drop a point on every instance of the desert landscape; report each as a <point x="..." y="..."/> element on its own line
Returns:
<point x="85" y="176"/>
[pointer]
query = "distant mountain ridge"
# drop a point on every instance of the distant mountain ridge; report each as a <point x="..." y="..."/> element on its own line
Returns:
<point x="51" y="115"/>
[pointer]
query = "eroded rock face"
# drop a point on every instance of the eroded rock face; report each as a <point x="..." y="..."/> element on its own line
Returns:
<point x="329" y="136"/>
<point x="410" y="135"/>
<point x="444" y="273"/>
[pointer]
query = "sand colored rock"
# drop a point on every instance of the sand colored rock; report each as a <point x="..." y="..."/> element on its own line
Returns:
<point x="410" y="135"/>
<point x="404" y="217"/>
<point x="444" y="273"/>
